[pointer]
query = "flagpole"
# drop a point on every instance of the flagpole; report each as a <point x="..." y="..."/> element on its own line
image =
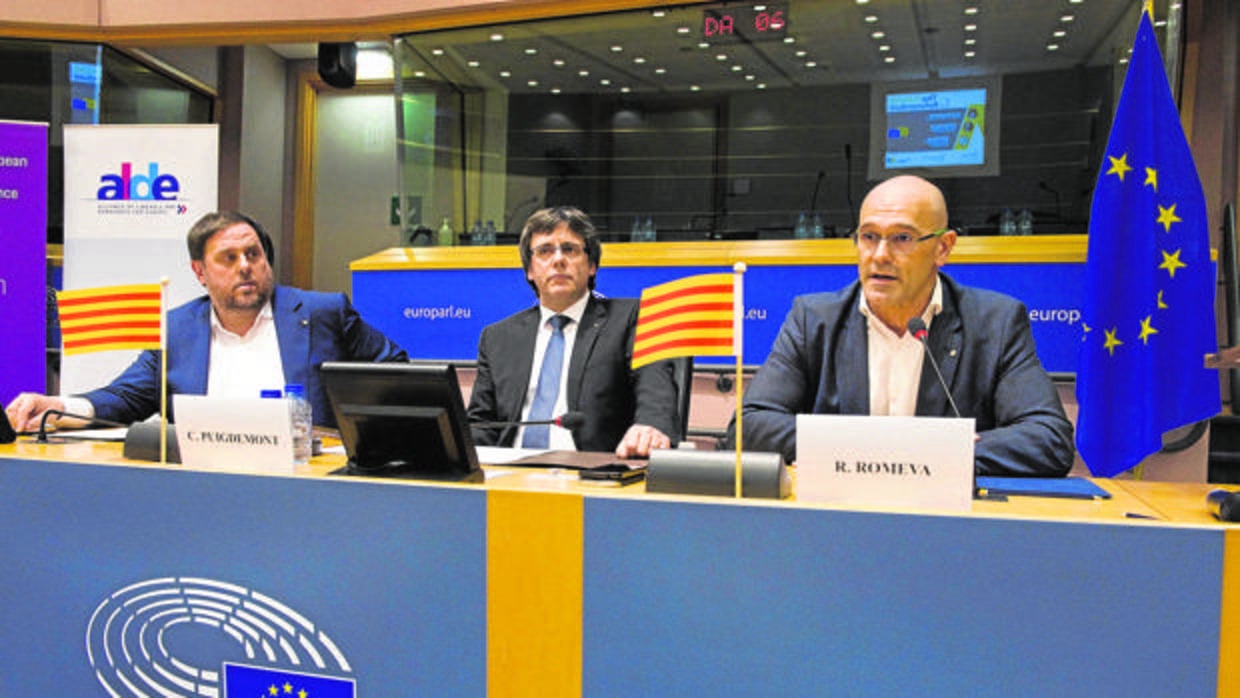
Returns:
<point x="163" y="371"/>
<point x="738" y="346"/>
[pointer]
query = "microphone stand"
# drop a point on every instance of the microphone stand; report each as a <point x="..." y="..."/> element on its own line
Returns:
<point x="41" y="437"/>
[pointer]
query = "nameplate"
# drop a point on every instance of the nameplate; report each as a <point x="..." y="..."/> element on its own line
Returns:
<point x="236" y="434"/>
<point x="891" y="462"/>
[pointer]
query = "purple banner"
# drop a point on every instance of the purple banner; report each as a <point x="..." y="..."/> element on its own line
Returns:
<point x="23" y="266"/>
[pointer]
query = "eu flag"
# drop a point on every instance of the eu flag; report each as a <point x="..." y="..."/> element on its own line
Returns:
<point x="242" y="681"/>
<point x="1149" y="283"/>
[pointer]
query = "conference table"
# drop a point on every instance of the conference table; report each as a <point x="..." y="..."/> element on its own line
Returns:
<point x="126" y="578"/>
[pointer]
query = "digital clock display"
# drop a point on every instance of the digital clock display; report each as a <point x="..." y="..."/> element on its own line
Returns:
<point x="748" y="23"/>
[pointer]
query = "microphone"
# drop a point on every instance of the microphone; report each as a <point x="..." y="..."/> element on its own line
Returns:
<point x="917" y="327"/>
<point x="1225" y="505"/>
<point x="41" y="437"/>
<point x="568" y="420"/>
<point x="813" y="201"/>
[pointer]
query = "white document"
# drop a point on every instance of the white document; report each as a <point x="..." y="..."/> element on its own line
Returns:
<point x="892" y="462"/>
<point x="251" y="435"/>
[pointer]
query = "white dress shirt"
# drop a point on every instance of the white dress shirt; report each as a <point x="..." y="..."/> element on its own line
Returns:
<point x="896" y="360"/>
<point x="560" y="439"/>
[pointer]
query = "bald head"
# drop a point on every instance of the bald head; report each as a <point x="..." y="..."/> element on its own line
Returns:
<point x="913" y="196"/>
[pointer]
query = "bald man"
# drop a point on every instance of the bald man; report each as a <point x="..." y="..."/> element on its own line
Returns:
<point x="850" y="351"/>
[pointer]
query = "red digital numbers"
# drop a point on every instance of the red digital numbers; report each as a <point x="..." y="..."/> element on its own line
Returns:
<point x="715" y="26"/>
<point x="769" y="21"/>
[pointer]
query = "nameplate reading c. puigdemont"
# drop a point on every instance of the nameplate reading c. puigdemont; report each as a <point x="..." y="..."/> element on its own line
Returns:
<point x="235" y="434"/>
<point x="891" y="462"/>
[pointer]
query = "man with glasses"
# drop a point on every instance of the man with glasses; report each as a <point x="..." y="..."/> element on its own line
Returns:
<point x="850" y="351"/>
<point x="570" y="353"/>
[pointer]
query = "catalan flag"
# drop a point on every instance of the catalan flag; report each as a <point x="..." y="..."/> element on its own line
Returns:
<point x="694" y="316"/>
<point x="1148" y="310"/>
<point x="111" y="317"/>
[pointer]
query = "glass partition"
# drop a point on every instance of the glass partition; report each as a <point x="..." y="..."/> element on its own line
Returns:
<point x="762" y="120"/>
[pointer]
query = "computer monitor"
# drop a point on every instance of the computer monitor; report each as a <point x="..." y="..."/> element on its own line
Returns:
<point x="401" y="420"/>
<point x="935" y="128"/>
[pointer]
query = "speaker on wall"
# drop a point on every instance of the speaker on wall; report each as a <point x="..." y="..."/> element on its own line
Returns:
<point x="338" y="64"/>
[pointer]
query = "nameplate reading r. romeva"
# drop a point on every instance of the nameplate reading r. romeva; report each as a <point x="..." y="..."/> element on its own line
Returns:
<point x="892" y="462"/>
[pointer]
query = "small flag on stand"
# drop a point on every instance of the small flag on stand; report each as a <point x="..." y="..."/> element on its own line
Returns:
<point x="1148" y="315"/>
<point x="693" y="316"/>
<point x="110" y="318"/>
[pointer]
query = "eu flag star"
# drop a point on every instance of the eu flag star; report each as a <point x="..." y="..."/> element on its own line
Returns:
<point x="1111" y="342"/>
<point x="1147" y="329"/>
<point x="1162" y="305"/>
<point x="1167" y="216"/>
<point x="1119" y="166"/>
<point x="1151" y="178"/>
<point x="1171" y="262"/>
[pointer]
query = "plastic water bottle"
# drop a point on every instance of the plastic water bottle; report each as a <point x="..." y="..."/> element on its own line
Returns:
<point x="488" y="233"/>
<point x="1007" y="222"/>
<point x="302" y="415"/>
<point x="446" y="236"/>
<point x="649" y="233"/>
<point x="801" y="231"/>
<point x="816" y="228"/>
<point x="1024" y="222"/>
<point x="475" y="234"/>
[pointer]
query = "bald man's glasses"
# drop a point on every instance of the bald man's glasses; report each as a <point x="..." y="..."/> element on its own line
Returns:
<point x="899" y="243"/>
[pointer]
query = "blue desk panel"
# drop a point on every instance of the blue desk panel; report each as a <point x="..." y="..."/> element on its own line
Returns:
<point x="384" y="584"/>
<point x="721" y="600"/>
<point x="440" y="313"/>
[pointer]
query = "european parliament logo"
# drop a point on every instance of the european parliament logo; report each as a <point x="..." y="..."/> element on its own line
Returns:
<point x="196" y="637"/>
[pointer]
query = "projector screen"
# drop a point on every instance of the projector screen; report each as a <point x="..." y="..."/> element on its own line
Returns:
<point x="935" y="128"/>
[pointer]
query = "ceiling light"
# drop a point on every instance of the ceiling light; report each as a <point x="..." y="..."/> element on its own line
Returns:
<point x="583" y="73"/>
<point x="374" y="64"/>
<point x="802" y="53"/>
<point x="639" y="59"/>
<point x="970" y="42"/>
<point x="660" y="71"/>
<point x="721" y="56"/>
<point x="889" y="59"/>
<point x="1160" y="22"/>
<point x="436" y="52"/>
<point x="473" y="64"/>
<point x="658" y="13"/>
<point x="531" y="51"/>
<point x="737" y="68"/>
<point x="762" y="85"/>
<point x="617" y="48"/>
<point x="626" y="89"/>
<point x="497" y="37"/>
<point x="790" y="39"/>
<point x="970" y="54"/>
<point x="703" y="44"/>
<point x="871" y="19"/>
<point x="884" y="47"/>
<point x="1075" y="2"/>
<point x="970" y="27"/>
<point x="811" y="64"/>
<point x="877" y="35"/>
<point x="505" y="73"/>
<point x="749" y="78"/>
<point x="683" y="30"/>
<point x="559" y="63"/>
<point x="863" y="2"/>
<point x="1121" y="61"/>
<point x="971" y="10"/>
<point x="604" y="82"/>
<point x="695" y="88"/>
<point x="1059" y="33"/>
<point x="422" y="74"/>
<point x="759" y="8"/>
<point x="555" y="90"/>
<point x="1067" y="18"/>
<point x="1052" y="47"/>
<point x="532" y="83"/>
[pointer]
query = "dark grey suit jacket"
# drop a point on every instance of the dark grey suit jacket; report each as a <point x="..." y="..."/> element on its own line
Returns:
<point x="600" y="383"/>
<point x="984" y="346"/>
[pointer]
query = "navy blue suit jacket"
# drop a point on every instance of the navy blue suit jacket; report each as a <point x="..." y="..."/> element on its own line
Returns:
<point x="311" y="328"/>
<point x="601" y="386"/>
<point x="984" y="346"/>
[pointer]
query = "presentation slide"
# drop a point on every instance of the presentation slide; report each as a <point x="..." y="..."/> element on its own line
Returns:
<point x="941" y="128"/>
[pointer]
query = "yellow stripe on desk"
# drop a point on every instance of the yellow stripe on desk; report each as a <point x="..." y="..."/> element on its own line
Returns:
<point x="534" y="593"/>
<point x="1229" y="616"/>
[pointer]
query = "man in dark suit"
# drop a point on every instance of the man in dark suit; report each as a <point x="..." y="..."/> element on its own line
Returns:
<point x="246" y="334"/>
<point x="589" y="341"/>
<point x="850" y="352"/>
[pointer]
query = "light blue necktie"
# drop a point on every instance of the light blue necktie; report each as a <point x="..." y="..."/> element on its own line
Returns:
<point x="539" y="436"/>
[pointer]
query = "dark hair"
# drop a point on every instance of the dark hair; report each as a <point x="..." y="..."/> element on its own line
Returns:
<point x="548" y="219"/>
<point x="212" y="223"/>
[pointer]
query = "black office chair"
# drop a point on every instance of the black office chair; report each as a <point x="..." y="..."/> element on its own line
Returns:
<point x="683" y="372"/>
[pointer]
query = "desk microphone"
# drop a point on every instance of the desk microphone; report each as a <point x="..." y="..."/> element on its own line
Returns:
<point x="568" y="420"/>
<point x="42" y="435"/>
<point x="917" y="326"/>
<point x="1224" y="504"/>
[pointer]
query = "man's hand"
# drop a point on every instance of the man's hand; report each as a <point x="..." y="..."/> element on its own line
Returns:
<point x="25" y="411"/>
<point x="639" y="440"/>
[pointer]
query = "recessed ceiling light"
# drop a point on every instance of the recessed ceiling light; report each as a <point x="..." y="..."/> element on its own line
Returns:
<point x="639" y="59"/>
<point x="505" y="73"/>
<point x="617" y="48"/>
<point x="737" y="68"/>
<point x="660" y="71"/>
<point x="759" y="8"/>
<point x="604" y="82"/>
<point x="532" y="83"/>
<point x="497" y="37"/>
<point x="971" y="10"/>
<point x="583" y="73"/>
<point x="790" y="39"/>
<point x="811" y="64"/>
<point x="749" y="78"/>
<point x="1075" y="2"/>
<point x="658" y="13"/>
<point x="419" y="73"/>
<point x="559" y="63"/>
<point x="555" y="90"/>
<point x="1123" y="61"/>
<point x="863" y="2"/>
<point x="761" y="86"/>
<point x="802" y="53"/>
<point x="436" y="52"/>
<point x="695" y="88"/>
<point x="683" y="30"/>
<point x="473" y="64"/>
<point x="889" y="59"/>
<point x="1067" y="18"/>
<point x="970" y="54"/>
<point x="1160" y="22"/>
<point x="1052" y="47"/>
<point x="884" y="47"/>
<point x="626" y="89"/>
<point x="703" y="44"/>
<point x="877" y="35"/>
<point x="970" y="42"/>
<point x="1059" y="33"/>
<point x="721" y="56"/>
<point x="970" y="27"/>
<point x="871" y="19"/>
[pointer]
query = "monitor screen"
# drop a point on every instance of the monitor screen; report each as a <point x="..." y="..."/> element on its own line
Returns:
<point x="401" y="420"/>
<point x="935" y="128"/>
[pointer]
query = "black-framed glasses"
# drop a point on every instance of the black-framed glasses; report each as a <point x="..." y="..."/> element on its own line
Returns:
<point x="898" y="243"/>
<point x="570" y="250"/>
